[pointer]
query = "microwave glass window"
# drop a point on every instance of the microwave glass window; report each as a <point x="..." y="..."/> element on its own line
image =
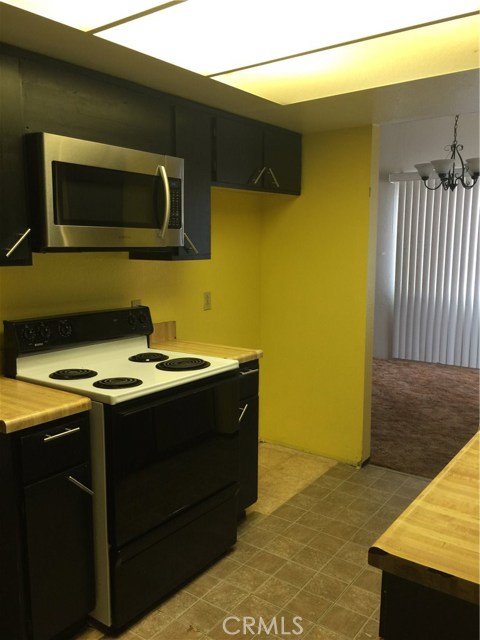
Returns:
<point x="93" y="196"/>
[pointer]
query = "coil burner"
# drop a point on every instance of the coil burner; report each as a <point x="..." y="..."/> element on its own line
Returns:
<point x="117" y="383"/>
<point x="73" y="374"/>
<point x="183" y="364"/>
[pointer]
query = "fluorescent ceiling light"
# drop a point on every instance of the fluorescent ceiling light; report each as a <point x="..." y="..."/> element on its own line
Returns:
<point x="86" y="14"/>
<point x="283" y="50"/>
<point x="214" y="36"/>
<point x="443" y="48"/>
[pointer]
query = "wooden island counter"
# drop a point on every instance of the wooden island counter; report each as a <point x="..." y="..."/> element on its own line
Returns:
<point x="430" y="558"/>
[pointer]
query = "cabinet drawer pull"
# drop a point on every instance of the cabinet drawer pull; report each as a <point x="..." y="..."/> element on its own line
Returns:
<point x="67" y="432"/>
<point x="242" y="409"/>
<point x="249" y="372"/>
<point x="81" y="486"/>
<point x="17" y="243"/>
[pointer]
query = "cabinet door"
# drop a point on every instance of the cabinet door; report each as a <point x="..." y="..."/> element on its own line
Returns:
<point x="59" y="542"/>
<point x="14" y="238"/>
<point x="193" y="135"/>
<point x="238" y="158"/>
<point x="282" y="157"/>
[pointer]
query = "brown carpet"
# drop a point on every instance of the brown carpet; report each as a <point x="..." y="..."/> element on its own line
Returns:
<point x="422" y="414"/>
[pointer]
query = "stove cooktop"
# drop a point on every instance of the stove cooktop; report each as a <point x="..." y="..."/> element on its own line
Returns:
<point x="84" y="369"/>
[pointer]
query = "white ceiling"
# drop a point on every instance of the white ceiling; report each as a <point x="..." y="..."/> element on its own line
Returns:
<point x="443" y="95"/>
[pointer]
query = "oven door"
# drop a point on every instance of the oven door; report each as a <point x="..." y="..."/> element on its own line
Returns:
<point x="167" y="454"/>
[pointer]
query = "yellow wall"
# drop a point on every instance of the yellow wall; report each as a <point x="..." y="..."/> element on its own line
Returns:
<point x="287" y="275"/>
<point x="60" y="283"/>
<point x="314" y="301"/>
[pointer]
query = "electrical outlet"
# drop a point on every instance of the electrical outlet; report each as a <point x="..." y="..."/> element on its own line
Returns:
<point x="136" y="303"/>
<point x="207" y="300"/>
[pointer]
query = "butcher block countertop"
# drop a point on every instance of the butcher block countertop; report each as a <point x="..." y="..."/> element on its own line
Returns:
<point x="24" y="405"/>
<point x="435" y="541"/>
<point x="164" y="336"/>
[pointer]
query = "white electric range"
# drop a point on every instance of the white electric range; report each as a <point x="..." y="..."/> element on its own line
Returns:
<point x="164" y="434"/>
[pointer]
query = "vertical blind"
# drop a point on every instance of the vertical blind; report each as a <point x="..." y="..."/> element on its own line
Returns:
<point x="437" y="275"/>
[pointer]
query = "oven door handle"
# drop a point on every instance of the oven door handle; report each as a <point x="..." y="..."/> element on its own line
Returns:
<point x="243" y="410"/>
<point x="166" y="218"/>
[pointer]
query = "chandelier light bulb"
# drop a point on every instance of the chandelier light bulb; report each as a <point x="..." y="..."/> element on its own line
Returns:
<point x="473" y="166"/>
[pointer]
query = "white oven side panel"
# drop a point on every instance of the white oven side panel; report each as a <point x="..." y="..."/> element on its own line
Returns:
<point x="102" y="611"/>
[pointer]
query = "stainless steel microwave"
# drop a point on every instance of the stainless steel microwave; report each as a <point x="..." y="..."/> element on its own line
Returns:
<point x="93" y="196"/>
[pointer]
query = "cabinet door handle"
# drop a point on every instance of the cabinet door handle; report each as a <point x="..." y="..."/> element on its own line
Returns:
<point x="67" y="432"/>
<point x="191" y="246"/>
<point x="274" y="178"/>
<point x="243" y="410"/>
<point x="249" y="372"/>
<point x="81" y="486"/>
<point x="17" y="243"/>
<point x="259" y="175"/>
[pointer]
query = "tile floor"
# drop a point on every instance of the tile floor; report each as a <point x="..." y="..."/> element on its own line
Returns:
<point x="300" y="563"/>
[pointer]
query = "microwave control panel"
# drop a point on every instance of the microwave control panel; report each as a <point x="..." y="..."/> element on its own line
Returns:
<point x="175" y="203"/>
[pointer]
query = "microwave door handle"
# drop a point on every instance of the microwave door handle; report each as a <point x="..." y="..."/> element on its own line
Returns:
<point x="166" y="218"/>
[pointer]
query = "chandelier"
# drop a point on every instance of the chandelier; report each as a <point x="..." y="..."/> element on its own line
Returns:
<point x="453" y="170"/>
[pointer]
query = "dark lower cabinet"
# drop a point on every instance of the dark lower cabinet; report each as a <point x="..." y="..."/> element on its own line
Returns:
<point x="248" y="492"/>
<point x="411" y="611"/>
<point x="46" y="539"/>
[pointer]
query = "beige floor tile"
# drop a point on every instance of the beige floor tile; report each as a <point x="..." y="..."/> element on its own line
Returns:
<point x="343" y="621"/>
<point x="295" y="573"/>
<point x="359" y="600"/>
<point x="266" y="561"/>
<point x="202" y="616"/>
<point x="150" y="624"/>
<point x="308" y="605"/>
<point x="248" y="578"/>
<point x="226" y="595"/>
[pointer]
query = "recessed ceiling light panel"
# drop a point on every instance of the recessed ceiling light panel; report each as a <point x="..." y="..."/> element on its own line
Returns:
<point x="215" y="36"/>
<point x="444" y="48"/>
<point x="86" y="14"/>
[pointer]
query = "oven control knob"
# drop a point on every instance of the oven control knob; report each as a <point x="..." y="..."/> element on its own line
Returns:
<point x="29" y="333"/>
<point x="132" y="319"/>
<point x="44" y="331"/>
<point x="65" y="328"/>
<point x="142" y="318"/>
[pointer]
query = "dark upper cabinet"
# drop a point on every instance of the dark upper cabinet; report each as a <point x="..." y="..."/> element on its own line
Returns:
<point x="192" y="128"/>
<point x="250" y="155"/>
<point x="67" y="100"/>
<point x="43" y="94"/>
<point x="238" y="152"/>
<point x="283" y="160"/>
<point x="193" y="131"/>
<point x="14" y="223"/>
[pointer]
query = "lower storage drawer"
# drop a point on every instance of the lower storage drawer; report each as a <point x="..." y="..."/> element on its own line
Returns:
<point x="176" y="555"/>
